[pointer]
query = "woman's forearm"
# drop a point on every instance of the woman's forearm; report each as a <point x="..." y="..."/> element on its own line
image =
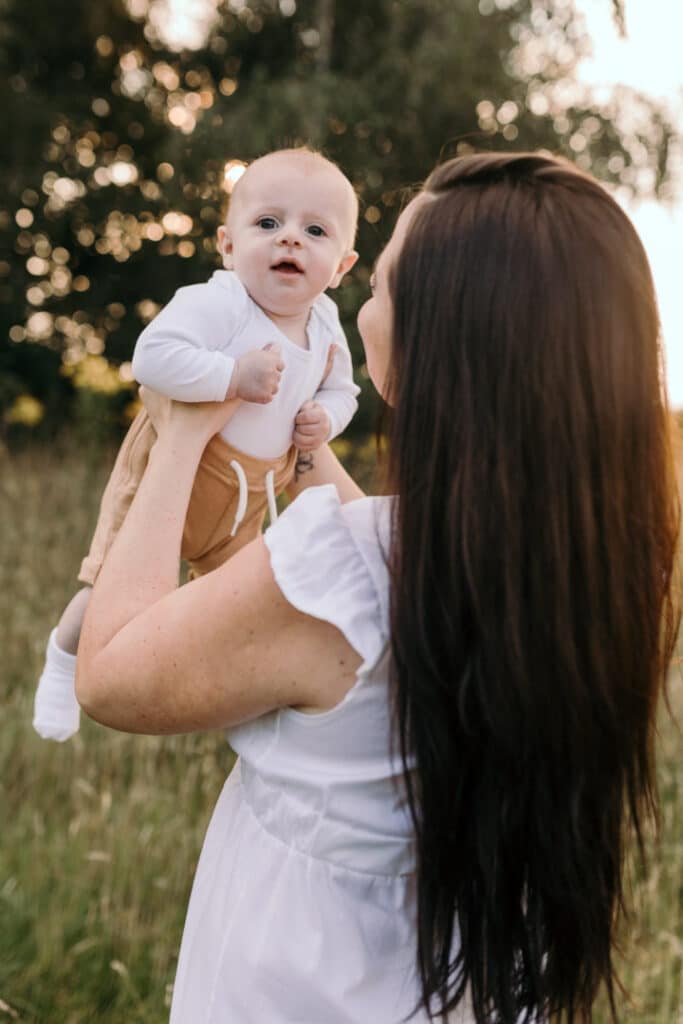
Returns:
<point x="144" y="561"/>
<point x="323" y="467"/>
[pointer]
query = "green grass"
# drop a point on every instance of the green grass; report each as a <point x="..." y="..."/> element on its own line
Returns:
<point x="99" y="837"/>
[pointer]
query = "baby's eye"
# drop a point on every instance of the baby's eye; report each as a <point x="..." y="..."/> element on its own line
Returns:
<point x="316" y="230"/>
<point x="267" y="223"/>
<point x="373" y="282"/>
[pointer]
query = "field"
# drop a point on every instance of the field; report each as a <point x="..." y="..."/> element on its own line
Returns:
<point x="99" y="836"/>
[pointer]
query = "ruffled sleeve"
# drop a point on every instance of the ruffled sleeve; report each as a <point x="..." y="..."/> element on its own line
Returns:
<point x="328" y="561"/>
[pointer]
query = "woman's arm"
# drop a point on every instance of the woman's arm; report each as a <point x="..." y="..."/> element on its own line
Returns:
<point x="323" y="467"/>
<point x="227" y="647"/>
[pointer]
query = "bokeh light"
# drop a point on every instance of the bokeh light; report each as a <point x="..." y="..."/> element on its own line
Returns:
<point x="232" y="173"/>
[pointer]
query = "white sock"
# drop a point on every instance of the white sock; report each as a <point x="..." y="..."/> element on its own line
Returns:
<point x="56" y="713"/>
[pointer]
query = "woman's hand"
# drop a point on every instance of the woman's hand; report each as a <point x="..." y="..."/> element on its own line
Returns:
<point x="158" y="407"/>
<point x="200" y="419"/>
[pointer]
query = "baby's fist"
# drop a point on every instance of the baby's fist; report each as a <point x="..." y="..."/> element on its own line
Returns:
<point x="256" y="376"/>
<point x="311" y="427"/>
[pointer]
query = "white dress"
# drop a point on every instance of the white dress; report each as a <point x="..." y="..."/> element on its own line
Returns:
<point x="303" y="905"/>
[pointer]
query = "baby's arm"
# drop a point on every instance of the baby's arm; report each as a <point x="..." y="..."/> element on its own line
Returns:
<point x="334" y="403"/>
<point x="336" y="395"/>
<point x="178" y="356"/>
<point x="312" y="424"/>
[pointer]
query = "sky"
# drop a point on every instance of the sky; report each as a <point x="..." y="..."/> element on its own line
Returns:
<point x="649" y="59"/>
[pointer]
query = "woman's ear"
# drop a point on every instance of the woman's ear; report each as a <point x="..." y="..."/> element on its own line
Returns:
<point x="224" y="246"/>
<point x="345" y="265"/>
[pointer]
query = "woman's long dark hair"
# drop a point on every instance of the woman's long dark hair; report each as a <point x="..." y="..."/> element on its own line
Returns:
<point x="532" y="618"/>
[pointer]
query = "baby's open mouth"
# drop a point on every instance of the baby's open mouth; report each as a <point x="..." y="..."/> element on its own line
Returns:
<point x="287" y="267"/>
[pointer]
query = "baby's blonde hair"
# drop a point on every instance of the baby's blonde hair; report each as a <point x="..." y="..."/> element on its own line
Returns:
<point x="312" y="155"/>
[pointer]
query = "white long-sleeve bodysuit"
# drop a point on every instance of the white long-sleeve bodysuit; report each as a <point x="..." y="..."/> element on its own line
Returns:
<point x="188" y="352"/>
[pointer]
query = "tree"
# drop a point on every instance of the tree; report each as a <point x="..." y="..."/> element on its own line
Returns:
<point x="114" y="188"/>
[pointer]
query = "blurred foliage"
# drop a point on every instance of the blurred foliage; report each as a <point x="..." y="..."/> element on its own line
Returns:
<point x="114" y="186"/>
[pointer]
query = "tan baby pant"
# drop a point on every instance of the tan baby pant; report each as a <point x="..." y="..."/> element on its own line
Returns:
<point x="229" y="499"/>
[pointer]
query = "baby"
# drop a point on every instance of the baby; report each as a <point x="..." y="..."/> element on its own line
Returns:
<point x="261" y="330"/>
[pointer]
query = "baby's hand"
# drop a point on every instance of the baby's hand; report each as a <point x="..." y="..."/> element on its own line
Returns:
<point x="311" y="427"/>
<point x="256" y="376"/>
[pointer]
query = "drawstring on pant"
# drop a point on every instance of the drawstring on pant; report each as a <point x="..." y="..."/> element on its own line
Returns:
<point x="270" y="494"/>
<point x="244" y="493"/>
<point x="242" y="499"/>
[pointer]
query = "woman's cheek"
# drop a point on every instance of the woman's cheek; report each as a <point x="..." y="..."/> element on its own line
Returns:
<point x="364" y="321"/>
<point x="360" y="320"/>
<point x="375" y="337"/>
<point x="367" y="324"/>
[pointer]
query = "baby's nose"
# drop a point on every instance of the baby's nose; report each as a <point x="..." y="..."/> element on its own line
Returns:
<point x="289" y="235"/>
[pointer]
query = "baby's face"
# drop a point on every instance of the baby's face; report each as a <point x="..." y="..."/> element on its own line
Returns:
<point x="289" y="231"/>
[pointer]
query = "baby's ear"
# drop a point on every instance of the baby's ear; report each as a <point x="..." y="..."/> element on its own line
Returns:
<point x="224" y="246"/>
<point x="345" y="264"/>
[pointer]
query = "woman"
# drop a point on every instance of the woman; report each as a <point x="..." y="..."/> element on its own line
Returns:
<point x="466" y="853"/>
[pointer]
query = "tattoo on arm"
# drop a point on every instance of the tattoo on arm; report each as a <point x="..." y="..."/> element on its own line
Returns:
<point x="304" y="463"/>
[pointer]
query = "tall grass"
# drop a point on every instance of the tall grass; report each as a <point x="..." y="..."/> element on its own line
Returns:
<point x="99" y="836"/>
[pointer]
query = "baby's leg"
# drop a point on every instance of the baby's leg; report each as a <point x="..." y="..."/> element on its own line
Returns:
<point x="56" y="712"/>
<point x="69" y="626"/>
